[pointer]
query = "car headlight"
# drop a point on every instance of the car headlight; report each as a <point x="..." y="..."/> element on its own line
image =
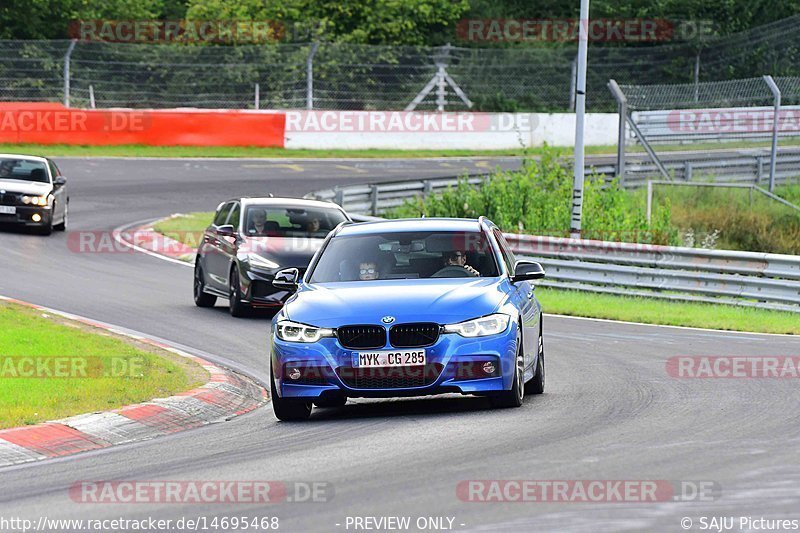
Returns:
<point x="261" y="262"/>
<point x="35" y="200"/>
<point x="286" y="330"/>
<point x="480" y="327"/>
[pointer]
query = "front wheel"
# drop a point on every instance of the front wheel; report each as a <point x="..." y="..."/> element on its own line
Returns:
<point x="237" y="307"/>
<point x="65" y="222"/>
<point x="515" y="396"/>
<point x="536" y="385"/>
<point x="286" y="409"/>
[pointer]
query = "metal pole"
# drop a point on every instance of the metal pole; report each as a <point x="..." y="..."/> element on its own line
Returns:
<point x="649" y="201"/>
<point x="258" y="96"/>
<point x="310" y="76"/>
<point x="572" y="81"/>
<point x="91" y="96"/>
<point x="697" y="77"/>
<point x="622" y="111"/>
<point x="776" y="93"/>
<point x="441" y="89"/>
<point x="580" y="111"/>
<point x="66" y="71"/>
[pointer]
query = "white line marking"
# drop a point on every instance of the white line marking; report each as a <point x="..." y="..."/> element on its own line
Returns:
<point x="117" y="237"/>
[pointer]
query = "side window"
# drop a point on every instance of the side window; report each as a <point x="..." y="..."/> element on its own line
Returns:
<point x="222" y="214"/>
<point x="236" y="214"/>
<point x="53" y="169"/>
<point x="508" y="257"/>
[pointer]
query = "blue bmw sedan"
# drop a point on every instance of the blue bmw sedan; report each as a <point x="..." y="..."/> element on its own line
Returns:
<point x="408" y="308"/>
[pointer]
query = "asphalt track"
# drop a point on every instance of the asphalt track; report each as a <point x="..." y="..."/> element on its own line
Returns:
<point x="611" y="412"/>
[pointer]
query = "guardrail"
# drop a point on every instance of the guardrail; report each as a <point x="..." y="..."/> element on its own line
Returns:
<point x="752" y="279"/>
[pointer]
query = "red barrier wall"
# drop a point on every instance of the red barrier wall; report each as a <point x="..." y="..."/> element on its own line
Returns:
<point x="49" y="123"/>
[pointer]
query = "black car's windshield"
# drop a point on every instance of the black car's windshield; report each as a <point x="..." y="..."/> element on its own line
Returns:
<point x="406" y="255"/>
<point x="23" y="169"/>
<point x="286" y="221"/>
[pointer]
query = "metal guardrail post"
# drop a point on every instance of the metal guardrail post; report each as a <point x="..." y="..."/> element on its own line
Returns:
<point x="759" y="169"/>
<point x="687" y="171"/>
<point x="340" y="197"/>
<point x="622" y="111"/>
<point x="67" y="58"/>
<point x="373" y="199"/>
<point x="649" y="201"/>
<point x="776" y="94"/>
<point x="310" y="76"/>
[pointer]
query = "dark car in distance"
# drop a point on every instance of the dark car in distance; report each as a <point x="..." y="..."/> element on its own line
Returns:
<point x="251" y="239"/>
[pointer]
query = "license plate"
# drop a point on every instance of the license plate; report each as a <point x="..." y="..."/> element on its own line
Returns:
<point x="7" y="210"/>
<point x="387" y="358"/>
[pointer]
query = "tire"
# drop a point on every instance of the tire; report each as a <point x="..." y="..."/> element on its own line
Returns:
<point x="201" y="298"/>
<point x="65" y="222"/>
<point x="516" y="395"/>
<point x="536" y="385"/>
<point x="236" y="306"/>
<point x="338" y="400"/>
<point x="285" y="409"/>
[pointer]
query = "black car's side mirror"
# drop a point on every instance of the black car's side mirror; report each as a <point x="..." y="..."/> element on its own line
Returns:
<point x="527" y="270"/>
<point x="59" y="181"/>
<point x="286" y="279"/>
<point x="226" y="231"/>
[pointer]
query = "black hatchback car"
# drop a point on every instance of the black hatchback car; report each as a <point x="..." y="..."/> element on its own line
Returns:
<point x="251" y="239"/>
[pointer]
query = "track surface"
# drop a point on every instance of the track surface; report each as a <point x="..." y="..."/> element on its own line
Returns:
<point x="610" y="412"/>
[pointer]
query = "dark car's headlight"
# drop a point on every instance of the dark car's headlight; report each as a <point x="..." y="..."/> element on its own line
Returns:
<point x="480" y="327"/>
<point x="286" y="330"/>
<point x="261" y="262"/>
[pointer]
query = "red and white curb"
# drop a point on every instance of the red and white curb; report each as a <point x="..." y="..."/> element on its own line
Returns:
<point x="225" y="396"/>
<point x="141" y="237"/>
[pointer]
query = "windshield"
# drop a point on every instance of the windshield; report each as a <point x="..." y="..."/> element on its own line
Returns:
<point x="407" y="255"/>
<point x="23" y="169"/>
<point x="282" y="221"/>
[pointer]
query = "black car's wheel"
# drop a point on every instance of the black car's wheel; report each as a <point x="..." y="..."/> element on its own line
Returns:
<point x="515" y="396"/>
<point x="286" y="409"/>
<point x="237" y="307"/>
<point x="201" y="298"/>
<point x="63" y="225"/>
<point x="337" y="400"/>
<point x="536" y="385"/>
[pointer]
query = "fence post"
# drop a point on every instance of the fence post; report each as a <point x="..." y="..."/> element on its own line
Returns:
<point x="687" y="171"/>
<point x="759" y="169"/>
<point x="91" y="96"/>
<point x="697" y="77"/>
<point x="572" y="81"/>
<point x="374" y="200"/>
<point x="258" y="96"/>
<point x="310" y="76"/>
<point x="649" y="201"/>
<point x="340" y="197"/>
<point x="776" y="93"/>
<point x="67" y="57"/>
<point x="622" y="111"/>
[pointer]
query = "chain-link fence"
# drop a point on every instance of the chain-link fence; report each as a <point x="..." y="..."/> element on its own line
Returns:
<point x="349" y="76"/>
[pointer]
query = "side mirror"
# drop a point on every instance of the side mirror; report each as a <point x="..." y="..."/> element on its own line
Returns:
<point x="286" y="279"/>
<point x="59" y="181"/>
<point x="226" y="231"/>
<point x="527" y="270"/>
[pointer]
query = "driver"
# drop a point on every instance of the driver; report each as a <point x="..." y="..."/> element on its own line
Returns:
<point x="312" y="225"/>
<point x="457" y="258"/>
<point x="259" y="220"/>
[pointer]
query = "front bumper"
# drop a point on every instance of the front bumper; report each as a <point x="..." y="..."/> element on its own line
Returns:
<point x="259" y="292"/>
<point x="24" y="215"/>
<point x="326" y="368"/>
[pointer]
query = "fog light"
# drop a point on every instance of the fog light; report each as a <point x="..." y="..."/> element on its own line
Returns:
<point x="294" y="374"/>
<point x="488" y="367"/>
<point x="37" y="217"/>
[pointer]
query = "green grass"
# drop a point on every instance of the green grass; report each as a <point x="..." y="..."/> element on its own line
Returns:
<point x="25" y="332"/>
<point x="187" y="228"/>
<point x="653" y="311"/>
<point x="258" y="152"/>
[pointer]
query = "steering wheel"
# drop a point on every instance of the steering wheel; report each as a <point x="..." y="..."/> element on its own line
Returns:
<point x="453" y="271"/>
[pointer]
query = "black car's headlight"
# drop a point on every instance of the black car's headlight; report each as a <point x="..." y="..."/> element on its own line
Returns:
<point x="480" y="327"/>
<point x="261" y="262"/>
<point x="286" y="330"/>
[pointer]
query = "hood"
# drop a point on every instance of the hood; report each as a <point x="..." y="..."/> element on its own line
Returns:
<point x="439" y="300"/>
<point x="32" y="188"/>
<point x="286" y="251"/>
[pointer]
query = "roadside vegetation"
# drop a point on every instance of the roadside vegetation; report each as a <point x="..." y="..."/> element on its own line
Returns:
<point x="537" y="200"/>
<point x="98" y="371"/>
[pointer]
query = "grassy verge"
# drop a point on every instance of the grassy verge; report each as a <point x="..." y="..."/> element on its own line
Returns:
<point x="652" y="311"/>
<point x="258" y="152"/>
<point x="187" y="228"/>
<point x="89" y="369"/>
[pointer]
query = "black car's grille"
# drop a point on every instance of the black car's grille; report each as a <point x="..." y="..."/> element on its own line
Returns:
<point x="414" y="335"/>
<point x="362" y="336"/>
<point x="400" y="377"/>
<point x="9" y="199"/>
<point x="263" y="289"/>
